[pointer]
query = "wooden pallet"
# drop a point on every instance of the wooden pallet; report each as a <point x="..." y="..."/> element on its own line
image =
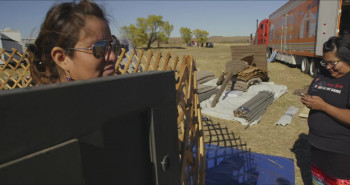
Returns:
<point x="259" y="52"/>
<point x="15" y="74"/>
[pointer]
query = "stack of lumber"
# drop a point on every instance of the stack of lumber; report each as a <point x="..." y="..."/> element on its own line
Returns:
<point x="259" y="52"/>
<point x="205" y="91"/>
<point x="255" y="107"/>
<point x="232" y="68"/>
<point x="204" y="76"/>
<point x="240" y="85"/>
<point x="244" y="79"/>
<point x="252" y="72"/>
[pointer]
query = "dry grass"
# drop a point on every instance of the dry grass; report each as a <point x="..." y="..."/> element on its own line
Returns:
<point x="216" y="39"/>
<point x="212" y="59"/>
<point x="265" y="137"/>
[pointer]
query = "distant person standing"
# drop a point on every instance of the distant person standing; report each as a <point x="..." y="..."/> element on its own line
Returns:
<point x="329" y="118"/>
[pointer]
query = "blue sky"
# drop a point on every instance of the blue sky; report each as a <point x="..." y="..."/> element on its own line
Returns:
<point x="219" y="18"/>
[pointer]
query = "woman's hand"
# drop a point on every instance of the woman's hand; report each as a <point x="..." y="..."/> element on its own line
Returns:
<point x="317" y="103"/>
<point x="314" y="102"/>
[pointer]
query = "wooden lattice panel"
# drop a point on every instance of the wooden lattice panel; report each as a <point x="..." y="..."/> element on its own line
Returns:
<point x="190" y="126"/>
<point x="14" y="73"/>
<point x="191" y="137"/>
<point x="145" y="62"/>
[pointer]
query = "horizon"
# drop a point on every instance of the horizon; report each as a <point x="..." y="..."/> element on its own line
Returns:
<point x="230" y="18"/>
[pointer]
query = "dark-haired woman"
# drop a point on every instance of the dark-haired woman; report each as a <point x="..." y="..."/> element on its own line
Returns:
<point x="74" y="43"/>
<point x="329" y="118"/>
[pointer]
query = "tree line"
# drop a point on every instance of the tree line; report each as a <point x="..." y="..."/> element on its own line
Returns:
<point x="154" y="29"/>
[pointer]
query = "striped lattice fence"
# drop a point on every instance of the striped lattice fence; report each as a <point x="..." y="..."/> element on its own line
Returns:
<point x="14" y="70"/>
<point x="15" y="74"/>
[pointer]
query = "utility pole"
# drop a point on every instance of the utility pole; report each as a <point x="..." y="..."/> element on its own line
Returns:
<point x="256" y="33"/>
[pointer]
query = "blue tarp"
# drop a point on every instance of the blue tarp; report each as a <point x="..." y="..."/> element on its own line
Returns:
<point x="231" y="166"/>
<point x="272" y="56"/>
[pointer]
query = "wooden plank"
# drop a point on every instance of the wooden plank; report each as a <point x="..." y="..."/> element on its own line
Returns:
<point x="166" y="62"/>
<point x="258" y="50"/>
<point x="129" y="61"/>
<point x="138" y="62"/>
<point x="175" y="63"/>
<point x="120" y="60"/>
<point x="156" y="64"/>
<point x="148" y="61"/>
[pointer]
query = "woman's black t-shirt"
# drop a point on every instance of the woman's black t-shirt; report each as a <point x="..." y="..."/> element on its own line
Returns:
<point x="325" y="132"/>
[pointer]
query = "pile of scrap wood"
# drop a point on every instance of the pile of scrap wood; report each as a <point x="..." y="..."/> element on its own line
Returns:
<point x="250" y="76"/>
<point x="205" y="91"/>
<point x="239" y="74"/>
<point x="252" y="72"/>
<point x="243" y="79"/>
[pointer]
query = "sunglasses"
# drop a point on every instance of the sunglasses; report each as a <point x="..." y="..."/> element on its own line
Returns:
<point x="102" y="47"/>
<point x="328" y="63"/>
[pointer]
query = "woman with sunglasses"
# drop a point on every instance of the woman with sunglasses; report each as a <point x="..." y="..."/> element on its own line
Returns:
<point x="74" y="43"/>
<point x="329" y="118"/>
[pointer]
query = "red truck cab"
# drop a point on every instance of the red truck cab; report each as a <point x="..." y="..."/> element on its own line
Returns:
<point x="262" y="33"/>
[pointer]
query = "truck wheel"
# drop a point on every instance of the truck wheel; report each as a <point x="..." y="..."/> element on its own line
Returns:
<point x="305" y="65"/>
<point x="314" y="69"/>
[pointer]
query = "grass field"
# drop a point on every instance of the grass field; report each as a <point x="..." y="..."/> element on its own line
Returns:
<point x="265" y="137"/>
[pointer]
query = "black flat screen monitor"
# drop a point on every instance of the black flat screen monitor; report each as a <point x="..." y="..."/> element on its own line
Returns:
<point x="112" y="130"/>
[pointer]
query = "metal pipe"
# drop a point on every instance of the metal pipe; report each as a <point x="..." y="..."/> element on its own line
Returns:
<point x="255" y="107"/>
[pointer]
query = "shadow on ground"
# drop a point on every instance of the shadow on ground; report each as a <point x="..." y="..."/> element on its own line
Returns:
<point x="229" y="161"/>
<point x="301" y="149"/>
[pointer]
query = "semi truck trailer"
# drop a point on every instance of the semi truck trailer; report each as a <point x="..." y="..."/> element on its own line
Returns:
<point x="295" y="33"/>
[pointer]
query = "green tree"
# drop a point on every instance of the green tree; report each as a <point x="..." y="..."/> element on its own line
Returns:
<point x="186" y="34"/>
<point x="162" y="38"/>
<point x="165" y="35"/>
<point x="201" y="35"/>
<point x="135" y="35"/>
<point x="148" y="30"/>
<point x="168" y="28"/>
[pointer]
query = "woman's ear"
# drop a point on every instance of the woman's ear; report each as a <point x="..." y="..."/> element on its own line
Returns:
<point x="60" y="58"/>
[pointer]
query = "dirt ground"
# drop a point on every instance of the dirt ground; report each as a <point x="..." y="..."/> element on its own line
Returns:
<point x="265" y="137"/>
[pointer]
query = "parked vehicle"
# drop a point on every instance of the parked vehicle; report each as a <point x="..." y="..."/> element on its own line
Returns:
<point x="295" y="33"/>
<point x="262" y="33"/>
<point x="9" y="39"/>
<point x="209" y="45"/>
